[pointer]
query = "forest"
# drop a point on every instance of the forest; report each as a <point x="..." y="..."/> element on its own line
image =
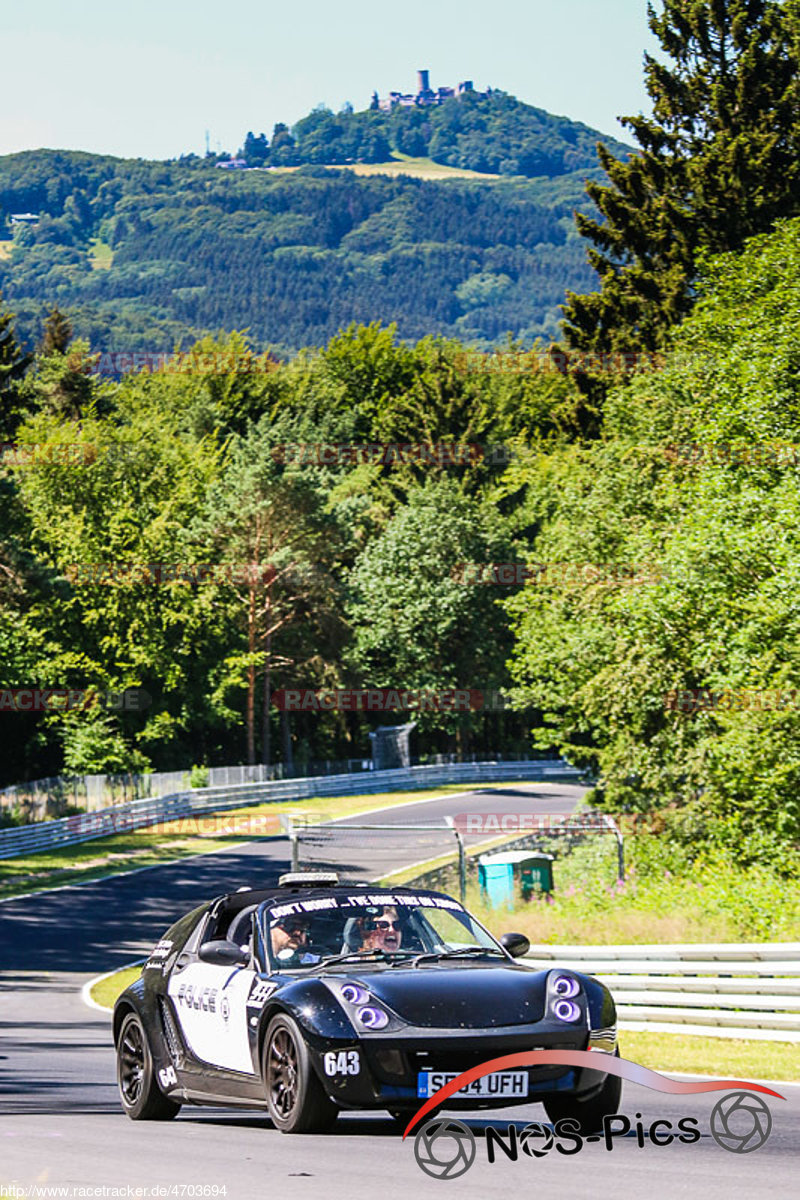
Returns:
<point x="154" y="255"/>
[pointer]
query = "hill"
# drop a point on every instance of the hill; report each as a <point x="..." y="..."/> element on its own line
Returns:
<point x="431" y="231"/>
<point x="494" y="134"/>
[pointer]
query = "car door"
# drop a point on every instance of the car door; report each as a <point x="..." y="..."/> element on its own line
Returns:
<point x="211" y="1006"/>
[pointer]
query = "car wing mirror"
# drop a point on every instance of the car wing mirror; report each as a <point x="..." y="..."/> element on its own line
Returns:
<point x="515" y="944"/>
<point x="223" y="953"/>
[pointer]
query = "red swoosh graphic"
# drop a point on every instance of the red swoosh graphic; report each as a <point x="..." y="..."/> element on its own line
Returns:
<point x="592" y="1059"/>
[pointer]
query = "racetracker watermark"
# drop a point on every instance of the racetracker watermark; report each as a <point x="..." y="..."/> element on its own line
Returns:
<point x="36" y="454"/>
<point x="690" y="701"/>
<point x="438" y="454"/>
<point x="34" y="699"/>
<point x="161" y="573"/>
<point x="115" y="363"/>
<point x="740" y="1122"/>
<point x="388" y="700"/>
<point x="108" y="1191"/>
<point x="758" y="454"/>
<point x="493" y="823"/>
<point x="560" y="362"/>
<point x="557" y="574"/>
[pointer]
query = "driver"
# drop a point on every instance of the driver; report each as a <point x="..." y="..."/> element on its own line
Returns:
<point x="289" y="940"/>
<point x="382" y="931"/>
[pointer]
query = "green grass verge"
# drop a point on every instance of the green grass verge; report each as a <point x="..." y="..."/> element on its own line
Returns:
<point x="183" y="838"/>
<point x="723" y="1057"/>
<point x="105" y="991"/>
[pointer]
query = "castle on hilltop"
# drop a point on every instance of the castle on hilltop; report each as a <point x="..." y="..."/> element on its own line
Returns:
<point x="426" y="95"/>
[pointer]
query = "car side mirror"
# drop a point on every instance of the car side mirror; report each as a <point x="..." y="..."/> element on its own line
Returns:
<point x="223" y="953"/>
<point x="516" y="944"/>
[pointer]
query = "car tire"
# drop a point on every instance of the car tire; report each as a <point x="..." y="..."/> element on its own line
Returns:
<point x="141" y="1097"/>
<point x="588" y="1113"/>
<point x="296" y="1099"/>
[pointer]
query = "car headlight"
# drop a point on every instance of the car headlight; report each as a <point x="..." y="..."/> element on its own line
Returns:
<point x="567" y="1010"/>
<point x="565" y="986"/>
<point x="353" y="994"/>
<point x="563" y="994"/>
<point x="372" y="1017"/>
<point x="365" y="1012"/>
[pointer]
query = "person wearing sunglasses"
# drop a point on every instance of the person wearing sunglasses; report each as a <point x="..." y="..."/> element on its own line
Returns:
<point x="382" y="931"/>
<point x="289" y="938"/>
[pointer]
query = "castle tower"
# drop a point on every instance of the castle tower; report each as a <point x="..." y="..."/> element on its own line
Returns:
<point x="423" y="78"/>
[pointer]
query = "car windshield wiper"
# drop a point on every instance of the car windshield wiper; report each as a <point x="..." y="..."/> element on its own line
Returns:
<point x="461" y="952"/>
<point x="353" y="954"/>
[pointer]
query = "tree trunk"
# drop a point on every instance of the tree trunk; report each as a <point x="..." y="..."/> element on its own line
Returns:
<point x="287" y="742"/>
<point x="265" y="713"/>
<point x="251" y="680"/>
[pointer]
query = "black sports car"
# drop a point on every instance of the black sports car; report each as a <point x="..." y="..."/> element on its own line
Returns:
<point x="315" y="996"/>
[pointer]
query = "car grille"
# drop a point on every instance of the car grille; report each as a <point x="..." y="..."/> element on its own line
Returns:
<point x="393" y="1065"/>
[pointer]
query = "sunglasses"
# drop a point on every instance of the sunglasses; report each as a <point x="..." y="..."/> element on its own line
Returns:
<point x="295" y="930"/>
<point x="385" y="925"/>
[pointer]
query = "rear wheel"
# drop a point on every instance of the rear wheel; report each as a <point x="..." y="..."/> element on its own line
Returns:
<point x="141" y="1096"/>
<point x="588" y="1113"/>
<point x="295" y="1097"/>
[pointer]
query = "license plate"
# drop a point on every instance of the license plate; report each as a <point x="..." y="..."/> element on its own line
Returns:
<point x="511" y="1085"/>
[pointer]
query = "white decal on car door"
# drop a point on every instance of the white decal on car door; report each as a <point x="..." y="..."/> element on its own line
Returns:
<point x="211" y="1005"/>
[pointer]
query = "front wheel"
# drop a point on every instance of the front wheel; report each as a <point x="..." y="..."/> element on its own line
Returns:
<point x="588" y="1113"/>
<point x="141" y="1096"/>
<point x="295" y="1097"/>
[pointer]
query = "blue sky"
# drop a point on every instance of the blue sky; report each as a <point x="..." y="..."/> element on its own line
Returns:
<point x="148" y="80"/>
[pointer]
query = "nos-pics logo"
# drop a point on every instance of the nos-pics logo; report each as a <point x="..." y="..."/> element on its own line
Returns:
<point x="446" y="1148"/>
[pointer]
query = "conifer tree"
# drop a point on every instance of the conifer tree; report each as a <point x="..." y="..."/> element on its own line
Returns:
<point x="57" y="332"/>
<point x="718" y="163"/>
<point x="13" y="364"/>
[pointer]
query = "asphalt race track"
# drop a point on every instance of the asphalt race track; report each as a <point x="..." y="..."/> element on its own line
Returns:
<point x="61" y="1126"/>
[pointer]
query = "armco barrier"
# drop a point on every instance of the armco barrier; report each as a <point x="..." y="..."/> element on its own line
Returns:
<point x="748" y="990"/>
<point x="138" y="814"/>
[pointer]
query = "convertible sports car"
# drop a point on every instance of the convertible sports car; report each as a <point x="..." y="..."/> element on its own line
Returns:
<point x="316" y="996"/>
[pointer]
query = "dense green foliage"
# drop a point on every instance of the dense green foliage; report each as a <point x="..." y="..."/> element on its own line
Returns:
<point x="291" y="257"/>
<point x="494" y="133"/>
<point x="357" y="586"/>
<point x="719" y="162"/>
<point x="193" y="468"/>
<point x="720" y="613"/>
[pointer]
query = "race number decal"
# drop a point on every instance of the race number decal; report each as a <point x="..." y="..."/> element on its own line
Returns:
<point x="342" y="1062"/>
<point x="167" y="1077"/>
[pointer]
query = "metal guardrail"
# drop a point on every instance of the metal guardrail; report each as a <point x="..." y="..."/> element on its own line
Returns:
<point x="138" y="814"/>
<point x="747" y="990"/>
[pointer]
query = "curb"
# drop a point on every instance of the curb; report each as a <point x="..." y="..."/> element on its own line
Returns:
<point x="87" y="987"/>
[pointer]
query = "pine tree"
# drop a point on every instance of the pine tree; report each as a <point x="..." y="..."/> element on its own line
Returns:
<point x="13" y="364"/>
<point x="718" y="163"/>
<point x="57" y="333"/>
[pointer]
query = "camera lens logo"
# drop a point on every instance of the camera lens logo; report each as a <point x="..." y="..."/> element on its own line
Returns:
<point x="536" y="1140"/>
<point x="444" y="1149"/>
<point x="741" y="1122"/>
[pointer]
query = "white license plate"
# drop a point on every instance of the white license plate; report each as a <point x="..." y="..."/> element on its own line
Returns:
<point x="511" y="1085"/>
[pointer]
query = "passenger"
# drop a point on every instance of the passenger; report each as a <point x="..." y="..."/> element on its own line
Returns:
<point x="381" y="932"/>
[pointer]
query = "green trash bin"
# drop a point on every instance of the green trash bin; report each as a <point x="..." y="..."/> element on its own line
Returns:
<point x="498" y="874"/>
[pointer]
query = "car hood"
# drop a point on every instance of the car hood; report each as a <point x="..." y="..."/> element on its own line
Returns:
<point x="466" y="996"/>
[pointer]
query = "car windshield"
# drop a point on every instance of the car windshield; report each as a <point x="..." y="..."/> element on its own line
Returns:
<point x="306" y="933"/>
